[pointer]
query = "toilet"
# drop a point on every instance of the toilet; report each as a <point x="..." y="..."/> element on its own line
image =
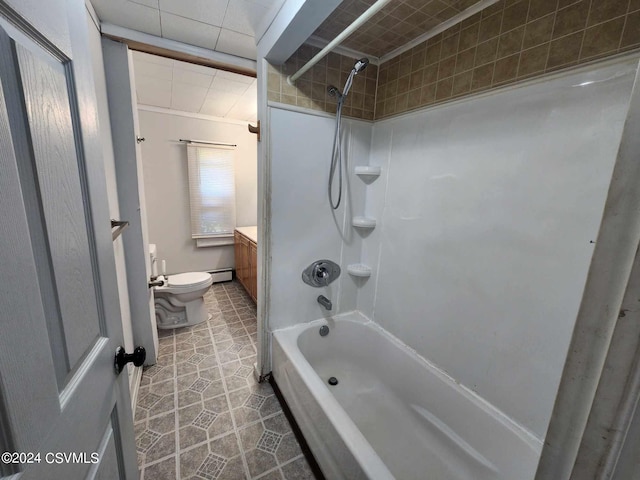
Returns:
<point x="180" y="302"/>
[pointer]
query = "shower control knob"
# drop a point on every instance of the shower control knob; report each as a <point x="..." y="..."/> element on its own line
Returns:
<point x="122" y="358"/>
<point x="321" y="273"/>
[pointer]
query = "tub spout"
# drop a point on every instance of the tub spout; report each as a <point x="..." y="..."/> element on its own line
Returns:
<point x="325" y="302"/>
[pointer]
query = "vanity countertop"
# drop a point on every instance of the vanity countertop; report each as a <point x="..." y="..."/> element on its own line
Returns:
<point x="250" y="232"/>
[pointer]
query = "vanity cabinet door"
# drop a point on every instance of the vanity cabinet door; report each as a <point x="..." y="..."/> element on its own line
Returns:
<point x="237" y="241"/>
<point x="246" y="254"/>
<point x="243" y="269"/>
<point x="253" y="271"/>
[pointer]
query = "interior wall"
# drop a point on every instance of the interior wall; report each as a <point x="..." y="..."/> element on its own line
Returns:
<point x="166" y="186"/>
<point x="310" y="90"/>
<point x="304" y="228"/>
<point x="487" y="211"/>
<point x="509" y="41"/>
<point x="110" y="173"/>
<point x="505" y="43"/>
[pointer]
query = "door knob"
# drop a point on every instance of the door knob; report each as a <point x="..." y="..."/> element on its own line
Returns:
<point x="121" y="359"/>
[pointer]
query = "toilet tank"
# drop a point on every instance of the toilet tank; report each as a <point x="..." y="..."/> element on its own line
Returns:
<point x="153" y="255"/>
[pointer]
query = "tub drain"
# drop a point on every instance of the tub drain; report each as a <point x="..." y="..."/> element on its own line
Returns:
<point x="333" y="381"/>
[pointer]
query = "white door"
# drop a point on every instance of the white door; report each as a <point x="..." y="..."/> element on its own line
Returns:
<point x="63" y="409"/>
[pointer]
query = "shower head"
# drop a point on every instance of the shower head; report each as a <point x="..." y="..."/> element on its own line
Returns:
<point x="361" y="65"/>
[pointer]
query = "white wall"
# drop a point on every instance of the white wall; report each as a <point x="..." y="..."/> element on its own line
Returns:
<point x="303" y="226"/>
<point x="166" y="186"/>
<point x="488" y="208"/>
<point x="110" y="173"/>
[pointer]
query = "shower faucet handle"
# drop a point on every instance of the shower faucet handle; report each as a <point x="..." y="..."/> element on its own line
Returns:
<point x="321" y="273"/>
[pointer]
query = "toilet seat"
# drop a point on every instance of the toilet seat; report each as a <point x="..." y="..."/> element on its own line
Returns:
<point x="189" y="279"/>
<point x="184" y="282"/>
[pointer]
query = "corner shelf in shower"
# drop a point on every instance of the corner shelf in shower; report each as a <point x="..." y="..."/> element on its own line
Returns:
<point x="363" y="222"/>
<point x="367" y="171"/>
<point x="359" y="270"/>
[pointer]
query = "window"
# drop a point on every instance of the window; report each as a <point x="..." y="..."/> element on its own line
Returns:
<point x="212" y="192"/>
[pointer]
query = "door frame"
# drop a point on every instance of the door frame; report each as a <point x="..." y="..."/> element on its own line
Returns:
<point x="22" y="18"/>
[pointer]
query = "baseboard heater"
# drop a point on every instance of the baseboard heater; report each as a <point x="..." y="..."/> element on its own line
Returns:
<point x="222" y="275"/>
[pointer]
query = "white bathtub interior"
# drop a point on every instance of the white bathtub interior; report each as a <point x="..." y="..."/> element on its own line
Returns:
<point x="430" y="424"/>
<point x="487" y="209"/>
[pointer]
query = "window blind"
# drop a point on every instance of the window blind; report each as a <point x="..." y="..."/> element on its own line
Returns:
<point x="212" y="191"/>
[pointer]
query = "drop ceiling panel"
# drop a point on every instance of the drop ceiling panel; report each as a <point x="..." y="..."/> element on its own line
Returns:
<point x="192" y="67"/>
<point x="236" y="43"/>
<point x="195" y="22"/>
<point x="246" y="108"/>
<point x="243" y="16"/>
<point x="189" y="31"/>
<point x="205" y="11"/>
<point x="220" y="84"/>
<point x="397" y="24"/>
<point x="219" y="104"/>
<point x="192" y="78"/>
<point x="162" y="82"/>
<point x="152" y="91"/>
<point x="129" y="15"/>
<point x="187" y="98"/>
<point x="147" y="3"/>
<point x="154" y="70"/>
<point x="146" y="57"/>
<point x="235" y="77"/>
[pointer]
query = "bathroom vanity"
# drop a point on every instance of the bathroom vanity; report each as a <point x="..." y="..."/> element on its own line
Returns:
<point x="246" y="253"/>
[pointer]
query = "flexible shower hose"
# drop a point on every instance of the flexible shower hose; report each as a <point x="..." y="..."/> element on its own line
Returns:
<point x="336" y="154"/>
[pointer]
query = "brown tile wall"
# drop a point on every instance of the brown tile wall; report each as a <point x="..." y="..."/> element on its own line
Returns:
<point x="507" y="42"/>
<point x="310" y="90"/>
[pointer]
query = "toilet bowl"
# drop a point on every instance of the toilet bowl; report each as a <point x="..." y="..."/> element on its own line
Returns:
<point x="179" y="302"/>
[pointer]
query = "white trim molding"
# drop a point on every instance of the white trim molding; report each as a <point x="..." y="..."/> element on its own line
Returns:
<point x="199" y="116"/>
<point x="232" y="62"/>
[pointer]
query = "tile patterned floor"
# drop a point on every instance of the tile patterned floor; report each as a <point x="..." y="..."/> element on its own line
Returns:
<point x="201" y="414"/>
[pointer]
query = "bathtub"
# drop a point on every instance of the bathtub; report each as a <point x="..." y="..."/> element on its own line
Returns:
<point x="392" y="414"/>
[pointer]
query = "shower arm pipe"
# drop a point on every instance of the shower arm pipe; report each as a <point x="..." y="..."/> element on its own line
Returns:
<point x="357" y="23"/>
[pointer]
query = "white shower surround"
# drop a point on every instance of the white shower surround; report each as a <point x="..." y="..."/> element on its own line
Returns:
<point x="303" y="226"/>
<point x="486" y="211"/>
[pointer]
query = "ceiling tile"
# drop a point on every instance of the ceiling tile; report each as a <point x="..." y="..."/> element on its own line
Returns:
<point x="220" y="84"/>
<point x="192" y="67"/>
<point x="129" y="15"/>
<point x="241" y="111"/>
<point x="246" y="108"/>
<point x="155" y="70"/>
<point x="189" y="31"/>
<point x="236" y="77"/>
<point x="146" y="3"/>
<point x="193" y="88"/>
<point x="270" y="3"/>
<point x="151" y="91"/>
<point x="206" y="11"/>
<point x="146" y="57"/>
<point x="218" y="104"/>
<point x="188" y="98"/>
<point x="192" y="78"/>
<point x="236" y="43"/>
<point x="243" y="16"/>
